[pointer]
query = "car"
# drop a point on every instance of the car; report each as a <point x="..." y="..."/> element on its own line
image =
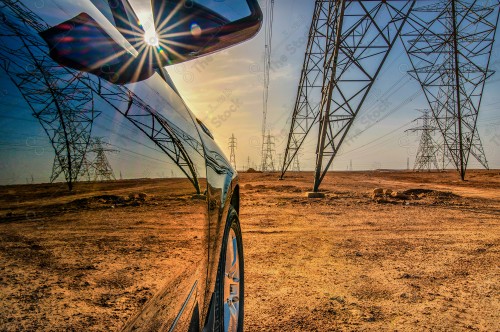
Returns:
<point x="118" y="210"/>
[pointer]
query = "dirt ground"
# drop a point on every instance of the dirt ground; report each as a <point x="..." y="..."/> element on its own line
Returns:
<point x="424" y="257"/>
<point x="425" y="261"/>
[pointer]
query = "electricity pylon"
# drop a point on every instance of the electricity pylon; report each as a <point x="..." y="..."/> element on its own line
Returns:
<point x="449" y="44"/>
<point x="349" y="42"/>
<point x="102" y="168"/>
<point x="232" y="147"/>
<point x="63" y="105"/>
<point x="426" y="158"/>
<point x="269" y="151"/>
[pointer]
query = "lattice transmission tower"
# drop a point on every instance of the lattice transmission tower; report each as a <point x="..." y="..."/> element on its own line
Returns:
<point x="63" y="105"/>
<point x="232" y="149"/>
<point x="269" y="151"/>
<point x="449" y="44"/>
<point x="427" y="153"/>
<point x="349" y="42"/>
<point x="101" y="166"/>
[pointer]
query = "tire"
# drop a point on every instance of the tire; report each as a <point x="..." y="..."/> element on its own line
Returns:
<point x="230" y="279"/>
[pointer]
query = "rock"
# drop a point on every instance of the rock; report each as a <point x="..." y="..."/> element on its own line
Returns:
<point x="398" y="195"/>
<point x="248" y="186"/>
<point x="387" y="192"/>
<point x="377" y="192"/>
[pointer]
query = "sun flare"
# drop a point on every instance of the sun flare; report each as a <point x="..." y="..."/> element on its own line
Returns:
<point x="151" y="38"/>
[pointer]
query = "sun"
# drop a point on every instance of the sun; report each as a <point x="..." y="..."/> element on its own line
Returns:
<point x="151" y="38"/>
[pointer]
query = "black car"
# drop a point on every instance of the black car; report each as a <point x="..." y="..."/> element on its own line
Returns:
<point x="118" y="211"/>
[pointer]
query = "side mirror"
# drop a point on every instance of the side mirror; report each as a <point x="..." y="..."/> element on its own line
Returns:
<point x="185" y="29"/>
<point x="188" y="29"/>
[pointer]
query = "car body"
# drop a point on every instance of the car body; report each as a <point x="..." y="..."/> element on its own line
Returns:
<point x="174" y="206"/>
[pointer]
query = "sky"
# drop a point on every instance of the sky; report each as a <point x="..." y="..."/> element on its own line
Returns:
<point x="225" y="91"/>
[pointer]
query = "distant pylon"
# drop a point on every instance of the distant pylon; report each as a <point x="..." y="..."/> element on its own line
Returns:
<point x="101" y="166"/>
<point x="269" y="151"/>
<point x="427" y="152"/>
<point x="232" y="147"/>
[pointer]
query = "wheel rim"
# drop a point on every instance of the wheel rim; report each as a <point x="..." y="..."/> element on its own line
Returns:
<point x="231" y="284"/>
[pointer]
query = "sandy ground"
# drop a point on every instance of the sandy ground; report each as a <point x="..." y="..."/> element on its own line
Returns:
<point x="425" y="262"/>
<point x="426" y="258"/>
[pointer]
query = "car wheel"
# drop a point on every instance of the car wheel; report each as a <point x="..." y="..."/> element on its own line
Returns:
<point x="230" y="278"/>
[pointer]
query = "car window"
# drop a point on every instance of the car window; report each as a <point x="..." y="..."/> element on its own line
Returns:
<point x="55" y="12"/>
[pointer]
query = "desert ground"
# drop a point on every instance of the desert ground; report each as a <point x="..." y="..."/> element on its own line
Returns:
<point x="384" y="250"/>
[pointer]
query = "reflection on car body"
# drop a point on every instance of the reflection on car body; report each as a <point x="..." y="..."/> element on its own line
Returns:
<point x="144" y="252"/>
